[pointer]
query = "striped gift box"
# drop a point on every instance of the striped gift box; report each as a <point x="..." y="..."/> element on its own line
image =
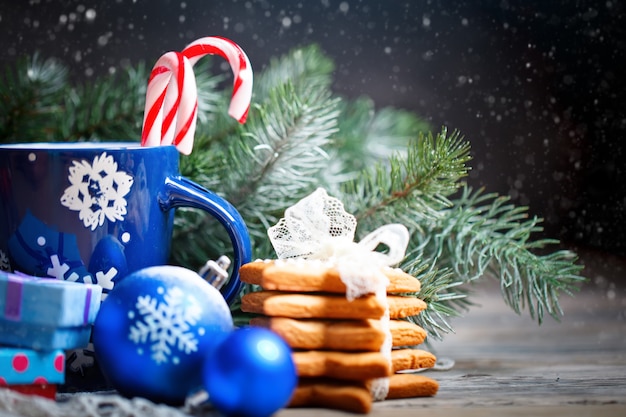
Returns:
<point x="46" y="314"/>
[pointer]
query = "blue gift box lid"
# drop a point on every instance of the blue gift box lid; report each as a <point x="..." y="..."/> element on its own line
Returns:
<point x="47" y="302"/>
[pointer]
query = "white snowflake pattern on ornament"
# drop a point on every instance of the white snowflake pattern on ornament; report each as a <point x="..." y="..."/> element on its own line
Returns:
<point x="97" y="191"/>
<point x="5" y="265"/>
<point x="167" y="324"/>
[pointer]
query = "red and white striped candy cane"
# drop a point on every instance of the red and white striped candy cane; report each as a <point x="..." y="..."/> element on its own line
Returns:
<point x="171" y="104"/>
<point x="239" y="63"/>
<point x="172" y="96"/>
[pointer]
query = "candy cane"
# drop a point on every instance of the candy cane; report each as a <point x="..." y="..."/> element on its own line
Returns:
<point x="172" y="96"/>
<point x="171" y="104"/>
<point x="239" y="63"/>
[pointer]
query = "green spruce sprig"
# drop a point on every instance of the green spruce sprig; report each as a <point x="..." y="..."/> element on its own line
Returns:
<point x="307" y="69"/>
<point x="486" y="235"/>
<point x="102" y="110"/>
<point x="284" y="145"/>
<point x="413" y="187"/>
<point x="31" y="99"/>
<point x="444" y="294"/>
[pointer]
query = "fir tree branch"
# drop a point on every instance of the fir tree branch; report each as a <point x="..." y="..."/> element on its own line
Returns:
<point x="411" y="188"/>
<point x="369" y="136"/>
<point x="110" y="108"/>
<point x="215" y="127"/>
<point x="285" y="142"/>
<point x="307" y="69"/>
<point x="485" y="235"/>
<point x="215" y="130"/>
<point x="212" y="99"/>
<point x="444" y="295"/>
<point x="304" y="69"/>
<point x="31" y="94"/>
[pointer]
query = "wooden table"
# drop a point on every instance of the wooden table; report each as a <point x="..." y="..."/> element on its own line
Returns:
<point x="507" y="364"/>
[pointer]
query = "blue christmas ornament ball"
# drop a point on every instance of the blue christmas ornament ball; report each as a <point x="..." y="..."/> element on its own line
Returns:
<point x="250" y="374"/>
<point x="154" y="331"/>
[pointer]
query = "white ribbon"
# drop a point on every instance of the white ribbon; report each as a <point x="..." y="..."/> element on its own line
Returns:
<point x="318" y="227"/>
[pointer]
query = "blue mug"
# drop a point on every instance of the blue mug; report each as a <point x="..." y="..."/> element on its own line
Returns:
<point x="95" y="212"/>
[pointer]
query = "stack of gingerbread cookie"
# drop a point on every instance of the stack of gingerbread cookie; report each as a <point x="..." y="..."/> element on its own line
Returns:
<point x="339" y="344"/>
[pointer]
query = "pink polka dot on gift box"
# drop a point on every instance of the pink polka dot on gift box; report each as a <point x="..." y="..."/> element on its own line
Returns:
<point x="59" y="363"/>
<point x="20" y="362"/>
<point x="31" y="367"/>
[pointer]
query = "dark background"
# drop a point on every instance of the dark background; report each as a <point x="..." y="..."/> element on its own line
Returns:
<point x="536" y="86"/>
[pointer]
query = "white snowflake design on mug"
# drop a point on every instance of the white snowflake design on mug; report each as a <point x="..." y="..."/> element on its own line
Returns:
<point x="97" y="191"/>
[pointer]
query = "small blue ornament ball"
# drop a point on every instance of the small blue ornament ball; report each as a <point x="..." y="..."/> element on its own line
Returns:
<point x="250" y="374"/>
<point x="154" y="331"/>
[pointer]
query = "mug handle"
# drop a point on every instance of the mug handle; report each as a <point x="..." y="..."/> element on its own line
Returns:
<point x="182" y="192"/>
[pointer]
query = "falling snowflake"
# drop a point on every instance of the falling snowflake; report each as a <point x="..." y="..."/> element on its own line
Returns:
<point x="166" y="325"/>
<point x="97" y="191"/>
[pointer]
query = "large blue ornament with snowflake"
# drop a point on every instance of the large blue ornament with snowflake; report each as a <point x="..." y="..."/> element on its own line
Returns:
<point x="155" y="330"/>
